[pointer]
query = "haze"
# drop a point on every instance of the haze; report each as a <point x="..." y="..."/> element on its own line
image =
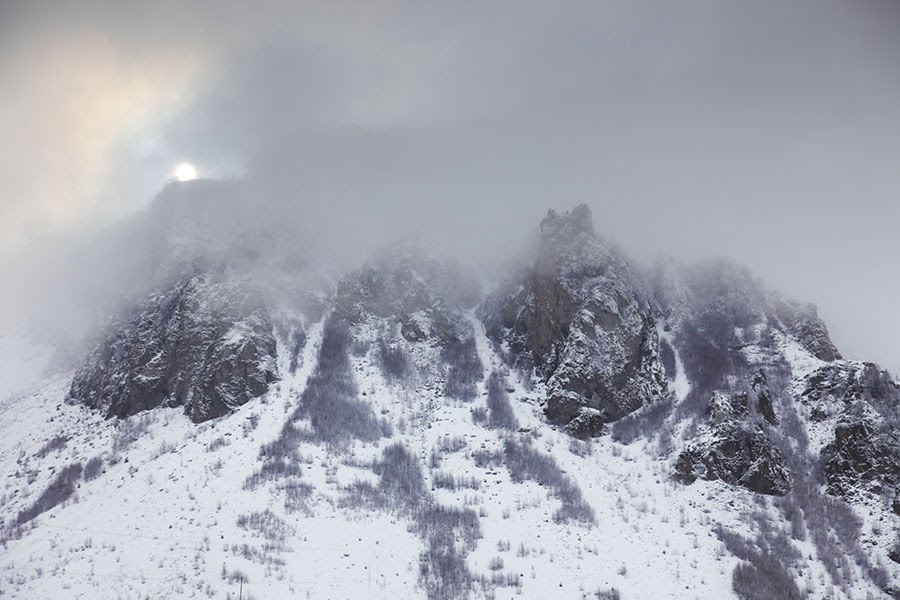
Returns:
<point x="765" y="131"/>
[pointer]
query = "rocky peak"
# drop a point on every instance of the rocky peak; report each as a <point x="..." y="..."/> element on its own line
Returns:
<point x="205" y="344"/>
<point x="832" y="388"/>
<point x="802" y="321"/>
<point x="571" y="251"/>
<point x="862" y="402"/>
<point x="580" y="318"/>
<point x="567" y="227"/>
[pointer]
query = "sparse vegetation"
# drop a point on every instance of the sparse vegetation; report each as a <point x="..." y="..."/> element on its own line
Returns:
<point x="330" y="399"/>
<point x="500" y="413"/>
<point x="524" y="462"/>
<point x="60" y="489"/>
<point x="764" y="572"/>
<point x="447" y="481"/>
<point x="395" y="364"/>
<point x="92" y="468"/>
<point x="644" y="422"/>
<point x="610" y="594"/>
<point x="449" y="533"/>
<point x="330" y="403"/>
<point x="54" y="444"/>
<point x="464" y="369"/>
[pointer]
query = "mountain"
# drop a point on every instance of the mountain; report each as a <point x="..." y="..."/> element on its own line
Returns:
<point x="244" y="422"/>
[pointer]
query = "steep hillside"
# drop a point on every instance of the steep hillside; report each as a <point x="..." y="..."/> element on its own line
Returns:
<point x="586" y="430"/>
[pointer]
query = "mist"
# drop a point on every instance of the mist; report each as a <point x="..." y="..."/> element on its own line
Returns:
<point x="765" y="132"/>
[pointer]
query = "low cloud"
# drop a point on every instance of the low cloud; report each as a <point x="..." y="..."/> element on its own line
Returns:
<point x="763" y="131"/>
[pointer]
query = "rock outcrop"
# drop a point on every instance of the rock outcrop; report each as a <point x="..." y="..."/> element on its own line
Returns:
<point x="734" y="449"/>
<point x="863" y="404"/>
<point x="864" y="454"/>
<point x="803" y="322"/>
<point x="425" y="297"/>
<point x="579" y="316"/>
<point x="206" y="344"/>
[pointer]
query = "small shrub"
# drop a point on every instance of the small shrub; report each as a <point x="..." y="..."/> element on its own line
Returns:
<point x="487" y="458"/>
<point x="464" y="371"/>
<point x="393" y="361"/>
<point x="92" y="468"/>
<point x="500" y="413"/>
<point x="296" y="496"/>
<point x="524" y="462"/>
<point x="401" y="477"/>
<point x="442" y="480"/>
<point x="451" y="444"/>
<point x="268" y="525"/>
<point x="54" y="444"/>
<point x="219" y="442"/>
<point x="60" y="489"/>
<point x="447" y="481"/>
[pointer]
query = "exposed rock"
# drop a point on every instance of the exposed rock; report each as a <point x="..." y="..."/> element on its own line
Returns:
<point x="865" y="452"/>
<point x="832" y="388"/>
<point x="735" y="450"/>
<point x="424" y="296"/>
<point x="727" y="407"/>
<point x="411" y="309"/>
<point x="579" y="317"/>
<point x="803" y="322"/>
<point x="206" y="344"/>
<point x="764" y="407"/>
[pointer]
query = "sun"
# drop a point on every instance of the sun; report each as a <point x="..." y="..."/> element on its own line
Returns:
<point x="185" y="172"/>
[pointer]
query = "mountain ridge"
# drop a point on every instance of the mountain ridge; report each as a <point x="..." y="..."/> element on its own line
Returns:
<point x="400" y="392"/>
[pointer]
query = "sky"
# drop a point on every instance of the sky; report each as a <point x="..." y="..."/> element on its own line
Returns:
<point x="765" y="131"/>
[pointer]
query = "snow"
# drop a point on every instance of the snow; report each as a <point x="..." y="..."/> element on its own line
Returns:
<point x="680" y="384"/>
<point x="165" y="523"/>
<point x="801" y="360"/>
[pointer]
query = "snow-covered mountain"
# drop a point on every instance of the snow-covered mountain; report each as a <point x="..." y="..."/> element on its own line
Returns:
<point x="585" y="429"/>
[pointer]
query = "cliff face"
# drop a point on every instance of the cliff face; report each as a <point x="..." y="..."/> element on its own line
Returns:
<point x="578" y="315"/>
<point x="206" y="344"/>
<point x="734" y="444"/>
<point x="859" y="405"/>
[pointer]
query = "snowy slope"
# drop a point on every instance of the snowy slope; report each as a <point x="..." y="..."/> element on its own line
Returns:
<point x="166" y="519"/>
<point x="407" y="450"/>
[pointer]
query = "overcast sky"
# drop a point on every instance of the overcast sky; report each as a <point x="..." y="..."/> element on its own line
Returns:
<point x="768" y="131"/>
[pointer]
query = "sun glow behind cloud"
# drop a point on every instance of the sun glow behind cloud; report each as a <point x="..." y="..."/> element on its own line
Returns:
<point x="185" y="172"/>
<point x="71" y="109"/>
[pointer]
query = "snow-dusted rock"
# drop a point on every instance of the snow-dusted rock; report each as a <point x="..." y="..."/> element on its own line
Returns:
<point x="579" y="316"/>
<point x="865" y="452"/>
<point x="803" y="322"/>
<point x="206" y="344"/>
<point x="404" y="285"/>
<point x="734" y="449"/>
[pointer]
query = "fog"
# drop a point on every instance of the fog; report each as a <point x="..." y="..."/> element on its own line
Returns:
<point x="762" y="131"/>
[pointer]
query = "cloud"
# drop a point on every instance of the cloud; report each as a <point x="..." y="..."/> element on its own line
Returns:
<point x="762" y="130"/>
